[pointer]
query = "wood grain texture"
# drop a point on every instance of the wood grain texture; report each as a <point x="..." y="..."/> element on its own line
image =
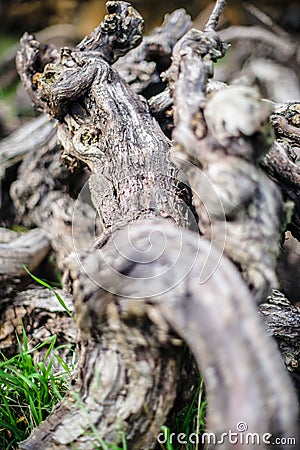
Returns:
<point x="282" y="320"/>
<point x="139" y="291"/>
<point x="218" y="142"/>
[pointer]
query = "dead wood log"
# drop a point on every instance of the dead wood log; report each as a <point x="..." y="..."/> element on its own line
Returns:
<point x="130" y="352"/>
<point x="130" y="297"/>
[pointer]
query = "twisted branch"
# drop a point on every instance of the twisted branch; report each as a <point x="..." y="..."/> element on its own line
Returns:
<point x="135" y="303"/>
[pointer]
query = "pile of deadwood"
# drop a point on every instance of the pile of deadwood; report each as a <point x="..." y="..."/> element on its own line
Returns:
<point x="165" y="197"/>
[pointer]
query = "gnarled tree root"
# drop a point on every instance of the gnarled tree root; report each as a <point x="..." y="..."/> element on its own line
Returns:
<point x="129" y="359"/>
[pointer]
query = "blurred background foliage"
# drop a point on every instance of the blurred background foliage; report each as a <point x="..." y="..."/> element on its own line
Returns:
<point x="20" y="15"/>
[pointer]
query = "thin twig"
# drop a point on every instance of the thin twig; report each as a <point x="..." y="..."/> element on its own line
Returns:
<point x="215" y="15"/>
<point x="285" y="50"/>
<point x="265" y="19"/>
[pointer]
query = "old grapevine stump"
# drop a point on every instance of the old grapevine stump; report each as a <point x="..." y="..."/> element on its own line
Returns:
<point x="149" y="285"/>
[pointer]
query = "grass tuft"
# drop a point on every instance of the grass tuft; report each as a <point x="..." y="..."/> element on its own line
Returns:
<point x="29" y="390"/>
<point x="190" y="421"/>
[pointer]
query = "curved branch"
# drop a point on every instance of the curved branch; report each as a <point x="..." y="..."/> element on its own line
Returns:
<point x="224" y="333"/>
<point x="29" y="248"/>
<point x="284" y="49"/>
<point x="217" y="142"/>
<point x="120" y="31"/>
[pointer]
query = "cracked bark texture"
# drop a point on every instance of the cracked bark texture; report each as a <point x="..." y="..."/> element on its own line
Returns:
<point x="282" y="320"/>
<point x="281" y="161"/>
<point x="38" y="311"/>
<point x="141" y="67"/>
<point x="218" y="142"/>
<point x="138" y="299"/>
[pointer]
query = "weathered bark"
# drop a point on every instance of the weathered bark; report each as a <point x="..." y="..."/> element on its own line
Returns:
<point x="280" y="162"/>
<point x="31" y="136"/>
<point x="38" y="311"/>
<point x="115" y="319"/>
<point x="13" y="150"/>
<point x="218" y="143"/>
<point x="282" y="320"/>
<point x="142" y="66"/>
<point x="148" y="283"/>
<point x="202" y="303"/>
<point x="28" y="248"/>
<point x="43" y="192"/>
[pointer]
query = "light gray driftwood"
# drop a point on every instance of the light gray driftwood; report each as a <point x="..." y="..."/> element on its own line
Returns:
<point x="29" y="249"/>
<point x="37" y="132"/>
<point x="136" y="290"/>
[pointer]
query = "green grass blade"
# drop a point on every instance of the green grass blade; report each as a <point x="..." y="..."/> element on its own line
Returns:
<point x="43" y="283"/>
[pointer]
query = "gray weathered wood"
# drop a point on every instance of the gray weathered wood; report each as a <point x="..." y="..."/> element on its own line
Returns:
<point x="32" y="135"/>
<point x="237" y="205"/>
<point x="29" y="249"/>
<point x="139" y="289"/>
<point x="141" y="66"/>
<point x="282" y="320"/>
<point x="281" y="161"/>
<point x="38" y="311"/>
